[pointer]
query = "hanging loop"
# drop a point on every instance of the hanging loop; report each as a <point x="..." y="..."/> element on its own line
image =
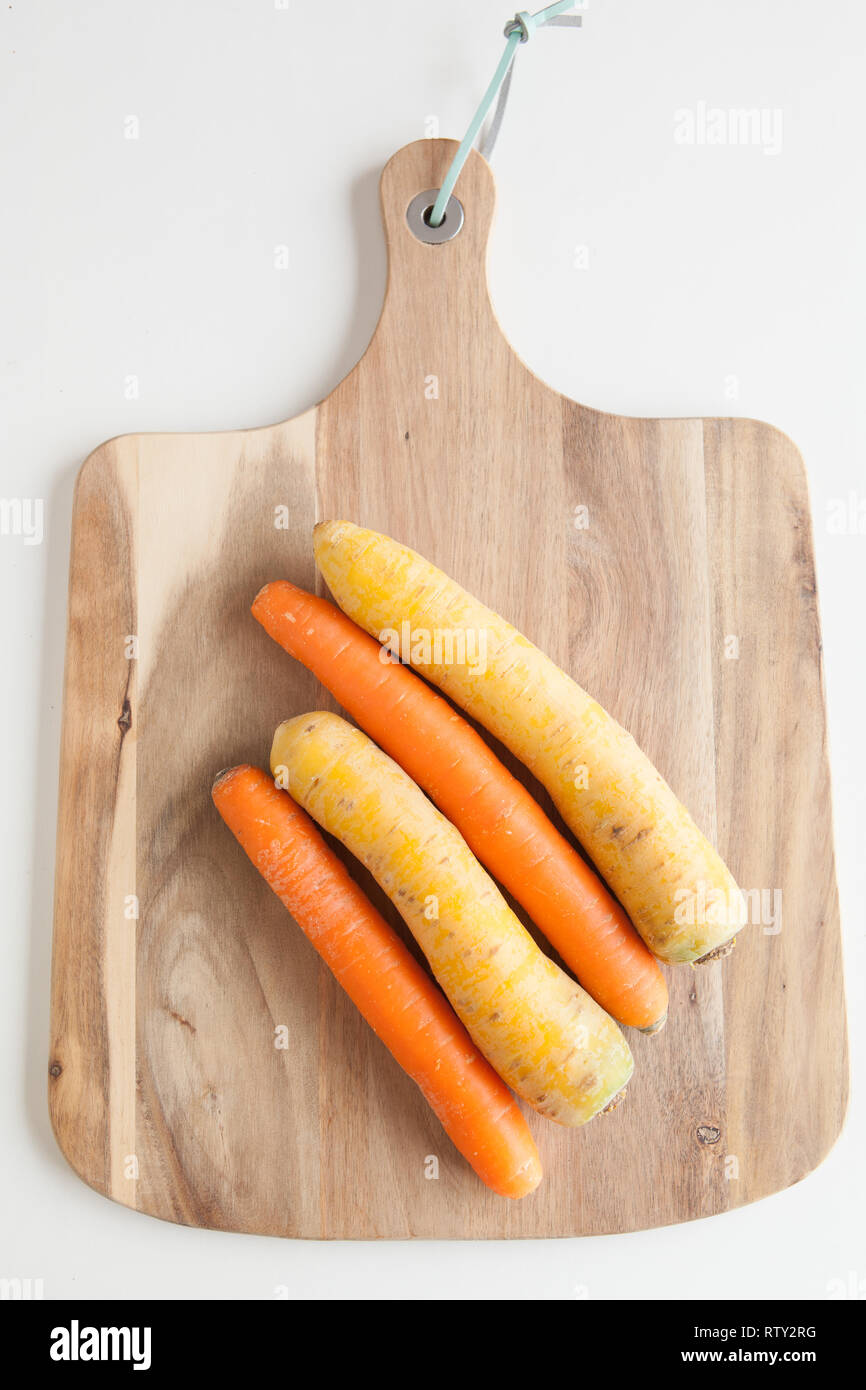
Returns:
<point x="519" y="25"/>
<point x="517" y="31"/>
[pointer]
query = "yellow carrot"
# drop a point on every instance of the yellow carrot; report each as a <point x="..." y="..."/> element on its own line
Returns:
<point x="544" y="1034"/>
<point x="673" y="884"/>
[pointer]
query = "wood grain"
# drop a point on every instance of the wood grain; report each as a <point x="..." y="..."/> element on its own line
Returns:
<point x="167" y="1092"/>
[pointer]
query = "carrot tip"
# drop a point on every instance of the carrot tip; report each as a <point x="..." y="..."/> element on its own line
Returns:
<point x="526" y="1179"/>
<point x="226" y="773"/>
<point x="260" y="596"/>
<point x="657" y="1026"/>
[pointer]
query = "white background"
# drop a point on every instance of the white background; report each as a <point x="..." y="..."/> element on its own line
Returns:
<point x="155" y="258"/>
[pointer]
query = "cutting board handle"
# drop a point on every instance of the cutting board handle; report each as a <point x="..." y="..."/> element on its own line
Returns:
<point x="446" y="281"/>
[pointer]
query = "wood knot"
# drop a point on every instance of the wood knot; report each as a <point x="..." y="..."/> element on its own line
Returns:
<point x="708" y="1134"/>
<point x="124" y="722"/>
<point x="179" y="1018"/>
<point x="55" y="1069"/>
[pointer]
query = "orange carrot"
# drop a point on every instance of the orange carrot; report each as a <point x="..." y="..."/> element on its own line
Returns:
<point x="395" y="995"/>
<point x="496" y="815"/>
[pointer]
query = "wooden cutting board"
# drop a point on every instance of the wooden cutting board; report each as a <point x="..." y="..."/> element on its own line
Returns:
<point x="687" y="605"/>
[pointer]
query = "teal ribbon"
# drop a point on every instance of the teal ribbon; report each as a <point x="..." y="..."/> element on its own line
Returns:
<point x="517" y="31"/>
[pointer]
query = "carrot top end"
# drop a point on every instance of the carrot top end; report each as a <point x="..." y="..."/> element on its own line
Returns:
<point x="227" y="775"/>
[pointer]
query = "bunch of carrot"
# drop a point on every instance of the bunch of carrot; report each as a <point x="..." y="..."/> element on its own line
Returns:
<point x="505" y="1012"/>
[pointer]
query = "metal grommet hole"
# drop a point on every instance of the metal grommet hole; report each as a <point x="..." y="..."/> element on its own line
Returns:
<point x="418" y="214"/>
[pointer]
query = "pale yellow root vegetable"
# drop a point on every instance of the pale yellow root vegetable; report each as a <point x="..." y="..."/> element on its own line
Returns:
<point x="541" y="1032"/>
<point x="672" y="883"/>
